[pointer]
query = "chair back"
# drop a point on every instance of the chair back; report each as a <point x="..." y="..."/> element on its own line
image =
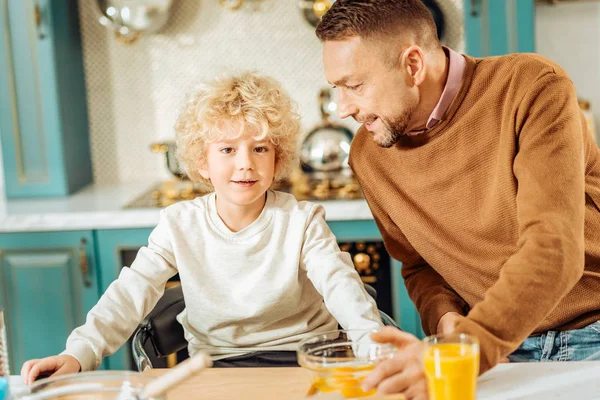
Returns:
<point x="160" y="334"/>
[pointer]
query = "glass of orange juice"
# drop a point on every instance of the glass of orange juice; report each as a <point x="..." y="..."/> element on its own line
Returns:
<point x="340" y="360"/>
<point x="451" y="366"/>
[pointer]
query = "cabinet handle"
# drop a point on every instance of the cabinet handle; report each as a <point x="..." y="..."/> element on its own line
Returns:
<point x="37" y="14"/>
<point x="475" y="5"/>
<point x="83" y="263"/>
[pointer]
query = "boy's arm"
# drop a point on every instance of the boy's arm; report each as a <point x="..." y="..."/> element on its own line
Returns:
<point x="332" y="273"/>
<point x="126" y="301"/>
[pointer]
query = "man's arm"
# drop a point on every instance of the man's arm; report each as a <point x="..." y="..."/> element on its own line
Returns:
<point x="432" y="295"/>
<point x="549" y="168"/>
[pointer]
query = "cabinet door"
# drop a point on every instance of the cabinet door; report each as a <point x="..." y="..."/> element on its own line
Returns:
<point x="112" y="244"/>
<point x="496" y="27"/>
<point x="43" y="112"/>
<point x="47" y="285"/>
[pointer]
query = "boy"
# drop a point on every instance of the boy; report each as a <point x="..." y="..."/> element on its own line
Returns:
<point x="255" y="264"/>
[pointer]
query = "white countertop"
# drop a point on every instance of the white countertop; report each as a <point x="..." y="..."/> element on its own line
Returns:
<point x="102" y="207"/>
<point x="517" y="381"/>
<point x="541" y="381"/>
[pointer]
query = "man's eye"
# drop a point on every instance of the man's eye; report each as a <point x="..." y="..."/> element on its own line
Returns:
<point x="261" y="149"/>
<point x="227" y="150"/>
<point x="353" y="87"/>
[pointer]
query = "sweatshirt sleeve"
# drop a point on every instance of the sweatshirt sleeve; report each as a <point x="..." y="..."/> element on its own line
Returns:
<point x="111" y="322"/>
<point x="431" y="294"/>
<point x="549" y="168"/>
<point x="333" y="274"/>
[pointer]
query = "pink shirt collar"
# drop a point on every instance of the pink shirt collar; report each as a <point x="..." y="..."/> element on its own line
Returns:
<point x="456" y="67"/>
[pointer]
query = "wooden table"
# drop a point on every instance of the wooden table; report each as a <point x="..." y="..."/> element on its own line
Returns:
<point x="521" y="381"/>
<point x="518" y="381"/>
<point x="243" y="383"/>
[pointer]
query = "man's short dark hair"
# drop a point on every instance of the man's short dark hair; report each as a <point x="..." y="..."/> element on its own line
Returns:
<point x="376" y="19"/>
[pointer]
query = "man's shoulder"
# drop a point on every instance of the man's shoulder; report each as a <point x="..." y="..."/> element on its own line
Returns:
<point x="521" y="66"/>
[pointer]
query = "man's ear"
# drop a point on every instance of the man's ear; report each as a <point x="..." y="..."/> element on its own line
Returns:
<point x="413" y="61"/>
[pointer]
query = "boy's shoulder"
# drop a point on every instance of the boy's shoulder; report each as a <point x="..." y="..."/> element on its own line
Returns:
<point x="187" y="207"/>
<point x="286" y="202"/>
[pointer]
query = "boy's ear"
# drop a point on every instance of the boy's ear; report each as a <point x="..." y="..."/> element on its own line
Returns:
<point x="203" y="169"/>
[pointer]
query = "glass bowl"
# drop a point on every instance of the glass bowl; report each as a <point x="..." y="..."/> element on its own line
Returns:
<point x="100" y="385"/>
<point x="340" y="360"/>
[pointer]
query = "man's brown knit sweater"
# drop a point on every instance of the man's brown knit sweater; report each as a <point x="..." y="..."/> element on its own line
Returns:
<point x="494" y="212"/>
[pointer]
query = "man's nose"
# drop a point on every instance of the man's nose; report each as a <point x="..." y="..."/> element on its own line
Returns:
<point x="345" y="106"/>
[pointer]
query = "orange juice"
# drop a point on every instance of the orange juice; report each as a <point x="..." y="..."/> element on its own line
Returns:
<point x="343" y="379"/>
<point x="451" y="370"/>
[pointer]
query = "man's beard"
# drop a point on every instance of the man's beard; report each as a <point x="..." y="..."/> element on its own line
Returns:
<point x="393" y="130"/>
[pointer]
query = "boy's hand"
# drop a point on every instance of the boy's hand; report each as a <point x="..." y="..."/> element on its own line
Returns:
<point x="49" y="366"/>
<point x="404" y="372"/>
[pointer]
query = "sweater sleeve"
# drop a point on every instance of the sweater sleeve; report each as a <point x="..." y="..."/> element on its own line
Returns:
<point x="333" y="274"/>
<point x="550" y="212"/>
<point x="111" y="322"/>
<point x="431" y="294"/>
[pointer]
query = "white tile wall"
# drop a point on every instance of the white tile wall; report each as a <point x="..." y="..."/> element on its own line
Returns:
<point x="134" y="91"/>
<point x="569" y="34"/>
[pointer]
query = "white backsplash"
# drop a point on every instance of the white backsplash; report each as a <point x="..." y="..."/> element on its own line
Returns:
<point x="134" y="91"/>
<point x="569" y="34"/>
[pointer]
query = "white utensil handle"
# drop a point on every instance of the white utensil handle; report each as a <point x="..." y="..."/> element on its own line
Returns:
<point x="179" y="373"/>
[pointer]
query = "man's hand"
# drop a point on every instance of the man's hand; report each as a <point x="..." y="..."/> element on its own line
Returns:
<point x="404" y="372"/>
<point x="447" y="323"/>
<point x="55" y="365"/>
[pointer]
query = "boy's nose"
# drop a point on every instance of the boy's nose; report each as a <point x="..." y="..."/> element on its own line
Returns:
<point x="245" y="160"/>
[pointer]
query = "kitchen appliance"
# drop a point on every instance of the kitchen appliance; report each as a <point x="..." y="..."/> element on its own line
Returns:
<point x="129" y="19"/>
<point x="169" y="149"/>
<point x="327" y="146"/>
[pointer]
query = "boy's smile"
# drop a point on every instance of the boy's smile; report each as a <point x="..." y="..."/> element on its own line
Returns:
<point x="245" y="183"/>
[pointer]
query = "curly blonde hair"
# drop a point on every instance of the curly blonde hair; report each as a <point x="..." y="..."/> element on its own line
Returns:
<point x="248" y="101"/>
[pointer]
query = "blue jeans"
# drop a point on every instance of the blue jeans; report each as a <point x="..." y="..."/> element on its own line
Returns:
<point x="575" y="345"/>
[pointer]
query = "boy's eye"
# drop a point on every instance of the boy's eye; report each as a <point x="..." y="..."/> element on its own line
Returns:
<point x="261" y="149"/>
<point x="227" y="150"/>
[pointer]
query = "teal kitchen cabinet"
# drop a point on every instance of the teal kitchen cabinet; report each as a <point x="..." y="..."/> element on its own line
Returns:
<point x="496" y="27"/>
<point x="116" y="249"/>
<point x="47" y="285"/>
<point x="43" y="112"/>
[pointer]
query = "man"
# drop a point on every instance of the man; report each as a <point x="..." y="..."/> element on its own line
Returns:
<point x="483" y="181"/>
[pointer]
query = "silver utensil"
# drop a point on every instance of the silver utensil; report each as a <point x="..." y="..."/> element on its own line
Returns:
<point x="129" y="19"/>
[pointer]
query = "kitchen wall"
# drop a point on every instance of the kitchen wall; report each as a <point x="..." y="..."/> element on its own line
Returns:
<point x="569" y="34"/>
<point x="134" y="91"/>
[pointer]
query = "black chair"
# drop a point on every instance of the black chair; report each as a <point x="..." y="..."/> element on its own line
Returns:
<point x="160" y="334"/>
